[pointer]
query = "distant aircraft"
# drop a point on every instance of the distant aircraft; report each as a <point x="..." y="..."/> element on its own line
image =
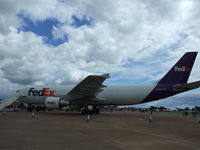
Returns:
<point x="91" y="91"/>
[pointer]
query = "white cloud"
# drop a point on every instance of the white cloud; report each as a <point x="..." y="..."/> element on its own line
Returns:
<point x="133" y="40"/>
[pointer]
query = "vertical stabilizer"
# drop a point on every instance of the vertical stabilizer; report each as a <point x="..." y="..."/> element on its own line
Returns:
<point x="180" y="72"/>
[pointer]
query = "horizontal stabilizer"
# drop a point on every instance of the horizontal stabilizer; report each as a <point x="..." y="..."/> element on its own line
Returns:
<point x="185" y="87"/>
<point x="8" y="101"/>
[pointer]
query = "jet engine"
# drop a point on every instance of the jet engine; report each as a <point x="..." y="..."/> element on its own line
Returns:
<point x="55" y="102"/>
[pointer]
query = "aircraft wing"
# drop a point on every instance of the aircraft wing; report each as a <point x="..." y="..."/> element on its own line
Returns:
<point x="8" y="101"/>
<point x="89" y="87"/>
<point x="188" y="86"/>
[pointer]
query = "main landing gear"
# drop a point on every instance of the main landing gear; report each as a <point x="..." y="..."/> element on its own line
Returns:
<point x="90" y="111"/>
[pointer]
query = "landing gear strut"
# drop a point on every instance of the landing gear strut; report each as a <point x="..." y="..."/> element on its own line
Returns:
<point x="30" y="108"/>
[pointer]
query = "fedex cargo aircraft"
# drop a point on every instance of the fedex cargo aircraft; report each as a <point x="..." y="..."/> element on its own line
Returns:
<point x="91" y="90"/>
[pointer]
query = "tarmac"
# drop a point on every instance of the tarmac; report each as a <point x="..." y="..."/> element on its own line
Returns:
<point x="108" y="131"/>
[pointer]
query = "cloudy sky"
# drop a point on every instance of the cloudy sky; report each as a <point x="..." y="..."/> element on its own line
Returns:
<point x="47" y="42"/>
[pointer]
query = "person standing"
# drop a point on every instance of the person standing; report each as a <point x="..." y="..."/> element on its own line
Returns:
<point x="33" y="115"/>
<point x="150" y="116"/>
<point x="4" y="112"/>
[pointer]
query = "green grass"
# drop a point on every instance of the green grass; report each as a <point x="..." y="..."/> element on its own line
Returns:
<point x="179" y="113"/>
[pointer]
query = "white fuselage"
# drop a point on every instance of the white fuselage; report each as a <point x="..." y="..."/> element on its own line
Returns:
<point x="111" y="95"/>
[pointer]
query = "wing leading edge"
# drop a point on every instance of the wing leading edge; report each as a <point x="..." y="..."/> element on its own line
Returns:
<point x="89" y="87"/>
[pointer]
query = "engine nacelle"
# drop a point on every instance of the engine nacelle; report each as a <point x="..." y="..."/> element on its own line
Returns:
<point x="55" y="102"/>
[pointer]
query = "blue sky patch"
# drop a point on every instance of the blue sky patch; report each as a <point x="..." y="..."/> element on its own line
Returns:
<point x="77" y="22"/>
<point x="42" y="28"/>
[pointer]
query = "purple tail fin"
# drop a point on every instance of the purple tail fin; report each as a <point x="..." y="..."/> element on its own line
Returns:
<point x="180" y="72"/>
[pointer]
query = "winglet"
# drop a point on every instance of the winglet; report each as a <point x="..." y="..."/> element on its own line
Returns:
<point x="107" y="75"/>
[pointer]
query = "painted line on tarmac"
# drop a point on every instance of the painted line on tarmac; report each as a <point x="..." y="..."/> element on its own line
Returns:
<point x="162" y="136"/>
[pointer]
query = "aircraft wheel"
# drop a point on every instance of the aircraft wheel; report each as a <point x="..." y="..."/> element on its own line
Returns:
<point x="97" y="111"/>
<point x="84" y="111"/>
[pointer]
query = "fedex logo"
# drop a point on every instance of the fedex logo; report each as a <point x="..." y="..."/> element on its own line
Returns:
<point x="43" y="92"/>
<point x="183" y="69"/>
<point x="52" y="102"/>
